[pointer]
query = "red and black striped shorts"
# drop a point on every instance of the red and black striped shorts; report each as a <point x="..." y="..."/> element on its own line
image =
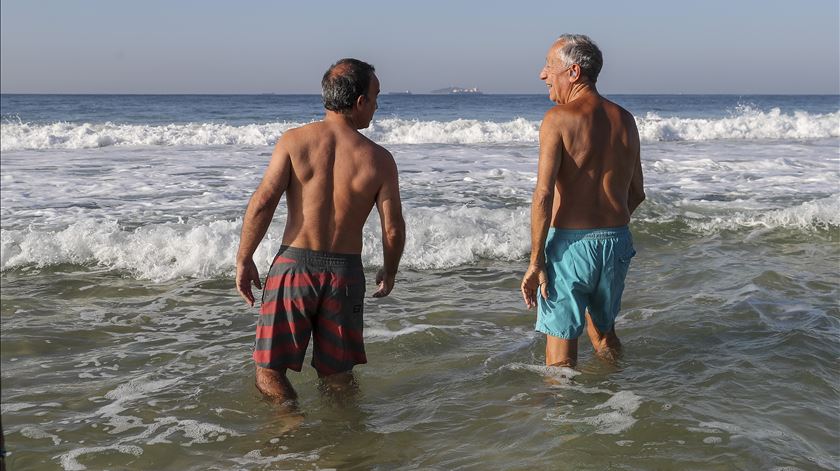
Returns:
<point x="318" y="294"/>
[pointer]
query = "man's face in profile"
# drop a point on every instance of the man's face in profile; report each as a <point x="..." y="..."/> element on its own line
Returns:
<point x="553" y="73"/>
<point x="370" y="103"/>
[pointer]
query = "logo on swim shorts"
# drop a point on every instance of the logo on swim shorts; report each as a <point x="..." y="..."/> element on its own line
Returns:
<point x="357" y="308"/>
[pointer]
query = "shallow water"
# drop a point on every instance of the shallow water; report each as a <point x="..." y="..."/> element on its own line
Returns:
<point x="124" y="345"/>
<point x="728" y="368"/>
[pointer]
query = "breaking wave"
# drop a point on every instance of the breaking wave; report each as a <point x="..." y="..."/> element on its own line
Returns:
<point x="438" y="238"/>
<point x="748" y="124"/>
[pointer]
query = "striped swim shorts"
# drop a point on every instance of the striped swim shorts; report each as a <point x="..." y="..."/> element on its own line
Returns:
<point x="318" y="294"/>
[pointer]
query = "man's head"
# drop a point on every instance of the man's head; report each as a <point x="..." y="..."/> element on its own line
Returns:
<point x="573" y="58"/>
<point x="350" y="87"/>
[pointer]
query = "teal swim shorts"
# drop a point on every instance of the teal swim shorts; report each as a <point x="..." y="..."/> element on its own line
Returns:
<point x="586" y="270"/>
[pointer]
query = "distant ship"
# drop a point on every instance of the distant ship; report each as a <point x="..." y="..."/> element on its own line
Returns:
<point x="457" y="91"/>
<point x="407" y="92"/>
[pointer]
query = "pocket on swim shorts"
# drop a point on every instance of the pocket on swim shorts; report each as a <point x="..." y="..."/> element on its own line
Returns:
<point x="626" y="258"/>
<point x="354" y="292"/>
<point x="622" y="261"/>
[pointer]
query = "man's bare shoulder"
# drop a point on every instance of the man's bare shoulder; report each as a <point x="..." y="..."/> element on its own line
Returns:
<point x="304" y="132"/>
<point x="373" y="149"/>
<point x="556" y="115"/>
<point x="572" y="110"/>
<point x="302" y="137"/>
<point x="626" y="116"/>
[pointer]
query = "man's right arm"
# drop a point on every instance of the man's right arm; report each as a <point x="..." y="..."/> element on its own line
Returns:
<point x="258" y="217"/>
<point x="389" y="206"/>
<point x="551" y="153"/>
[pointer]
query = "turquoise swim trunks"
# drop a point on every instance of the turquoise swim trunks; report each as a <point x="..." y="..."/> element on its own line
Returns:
<point x="586" y="270"/>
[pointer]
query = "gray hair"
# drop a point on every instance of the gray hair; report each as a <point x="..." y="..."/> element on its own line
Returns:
<point x="345" y="81"/>
<point x="580" y="49"/>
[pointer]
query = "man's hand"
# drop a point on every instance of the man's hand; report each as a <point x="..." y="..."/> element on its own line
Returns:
<point x="385" y="282"/>
<point x="246" y="273"/>
<point x="534" y="279"/>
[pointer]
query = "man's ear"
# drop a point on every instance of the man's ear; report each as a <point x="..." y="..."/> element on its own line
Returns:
<point x="361" y="100"/>
<point x="574" y="74"/>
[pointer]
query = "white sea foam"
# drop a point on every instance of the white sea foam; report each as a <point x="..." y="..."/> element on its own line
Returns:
<point x="64" y="135"/>
<point x="555" y="372"/>
<point x="15" y="406"/>
<point x="437" y="238"/>
<point x="820" y="214"/>
<point x="70" y="463"/>
<point x="195" y="431"/>
<point x="378" y="334"/>
<point x="747" y="124"/>
<point x="617" y="418"/>
<point x="37" y="433"/>
<point x="255" y="458"/>
<point x="459" y="131"/>
<point x="620" y="418"/>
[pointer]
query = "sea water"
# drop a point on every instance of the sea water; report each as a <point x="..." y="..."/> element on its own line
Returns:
<point x="125" y="346"/>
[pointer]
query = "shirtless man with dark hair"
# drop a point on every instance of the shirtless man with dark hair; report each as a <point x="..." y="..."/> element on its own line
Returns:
<point x="332" y="177"/>
<point x="589" y="182"/>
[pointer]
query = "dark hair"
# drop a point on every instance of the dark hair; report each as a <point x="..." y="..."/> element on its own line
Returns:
<point x="343" y="82"/>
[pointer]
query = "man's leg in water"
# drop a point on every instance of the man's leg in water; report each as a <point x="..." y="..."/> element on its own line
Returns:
<point x="560" y="352"/>
<point x="275" y="385"/>
<point x="607" y="345"/>
<point x="339" y="382"/>
<point x="341" y="388"/>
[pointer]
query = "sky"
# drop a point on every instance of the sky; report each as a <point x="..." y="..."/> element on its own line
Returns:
<point x="247" y="46"/>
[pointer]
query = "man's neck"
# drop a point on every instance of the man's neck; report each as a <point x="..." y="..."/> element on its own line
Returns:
<point x="581" y="90"/>
<point x="340" y="118"/>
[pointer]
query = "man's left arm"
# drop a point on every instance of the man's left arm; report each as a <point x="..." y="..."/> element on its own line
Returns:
<point x="258" y="217"/>
<point x="636" y="192"/>
<point x="551" y="151"/>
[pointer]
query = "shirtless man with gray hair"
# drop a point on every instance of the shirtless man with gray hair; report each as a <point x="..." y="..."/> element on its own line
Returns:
<point x="589" y="182"/>
<point x="332" y="177"/>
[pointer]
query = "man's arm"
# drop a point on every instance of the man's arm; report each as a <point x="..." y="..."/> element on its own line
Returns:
<point x="551" y="151"/>
<point x="258" y="217"/>
<point x="636" y="192"/>
<point x="393" y="229"/>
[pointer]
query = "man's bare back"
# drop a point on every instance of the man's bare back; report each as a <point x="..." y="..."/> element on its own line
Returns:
<point x="336" y="176"/>
<point x="599" y="158"/>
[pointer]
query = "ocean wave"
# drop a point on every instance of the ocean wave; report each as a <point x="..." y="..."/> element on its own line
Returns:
<point x="64" y="135"/>
<point x="437" y="238"/>
<point x="459" y="131"/>
<point x="810" y="215"/>
<point x="747" y="124"/>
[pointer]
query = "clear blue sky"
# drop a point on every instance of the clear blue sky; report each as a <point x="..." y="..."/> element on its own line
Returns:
<point x="153" y="46"/>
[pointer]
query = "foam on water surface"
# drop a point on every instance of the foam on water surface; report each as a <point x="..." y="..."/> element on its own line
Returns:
<point x="619" y="418"/>
<point x="555" y="372"/>
<point x="748" y="124"/>
<point x="380" y="334"/>
<point x="440" y="238"/>
<point x="69" y="461"/>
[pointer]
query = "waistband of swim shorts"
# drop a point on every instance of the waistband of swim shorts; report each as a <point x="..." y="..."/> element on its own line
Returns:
<point x="600" y="233"/>
<point x="314" y="257"/>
